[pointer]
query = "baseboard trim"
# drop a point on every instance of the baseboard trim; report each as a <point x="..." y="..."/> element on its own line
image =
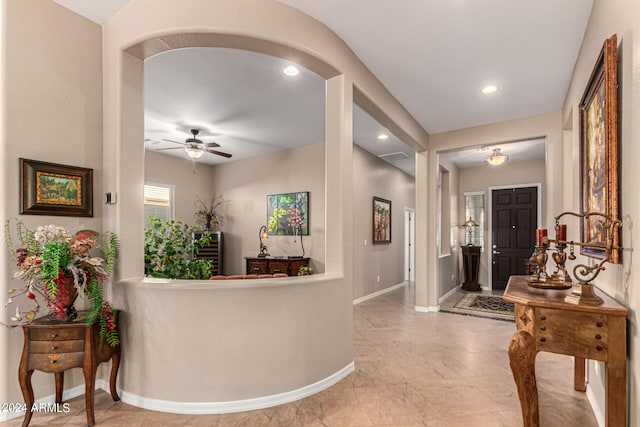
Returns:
<point x="595" y="407"/>
<point x="430" y="309"/>
<point x="236" y="405"/>
<point x="199" y="407"/>
<point x="378" y="293"/>
<point x="448" y="294"/>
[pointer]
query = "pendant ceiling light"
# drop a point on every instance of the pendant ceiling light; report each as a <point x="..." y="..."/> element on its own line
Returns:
<point x="497" y="158"/>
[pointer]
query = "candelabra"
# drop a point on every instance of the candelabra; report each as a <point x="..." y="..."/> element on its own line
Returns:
<point x="582" y="291"/>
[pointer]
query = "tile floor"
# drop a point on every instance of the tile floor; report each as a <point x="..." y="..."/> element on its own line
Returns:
<point x="412" y="369"/>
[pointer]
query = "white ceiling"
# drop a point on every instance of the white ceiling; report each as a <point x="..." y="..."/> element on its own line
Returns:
<point x="434" y="56"/>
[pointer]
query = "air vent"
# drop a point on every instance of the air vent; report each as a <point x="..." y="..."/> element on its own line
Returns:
<point x="395" y="157"/>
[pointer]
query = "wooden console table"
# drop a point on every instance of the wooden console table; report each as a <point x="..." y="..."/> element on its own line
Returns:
<point x="272" y="265"/>
<point x="545" y="322"/>
<point x="54" y="347"/>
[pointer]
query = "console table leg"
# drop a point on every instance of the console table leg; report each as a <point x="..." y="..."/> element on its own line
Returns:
<point x="579" y="377"/>
<point x="616" y="379"/>
<point x="89" y="390"/>
<point x="24" y="377"/>
<point x="59" y="386"/>
<point x="522" y="358"/>
<point x="115" y="364"/>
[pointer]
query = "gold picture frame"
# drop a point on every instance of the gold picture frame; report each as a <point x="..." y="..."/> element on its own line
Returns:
<point x="599" y="153"/>
<point x="54" y="189"/>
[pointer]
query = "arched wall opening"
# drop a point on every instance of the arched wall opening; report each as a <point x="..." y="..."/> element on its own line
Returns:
<point x="200" y="347"/>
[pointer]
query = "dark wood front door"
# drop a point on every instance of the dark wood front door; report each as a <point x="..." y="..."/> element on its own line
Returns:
<point x="514" y="219"/>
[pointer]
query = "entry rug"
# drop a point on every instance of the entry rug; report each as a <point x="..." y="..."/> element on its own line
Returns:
<point x="485" y="303"/>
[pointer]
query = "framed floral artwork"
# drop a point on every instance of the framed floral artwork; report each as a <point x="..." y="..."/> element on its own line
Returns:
<point x="288" y="214"/>
<point x="599" y="152"/>
<point x="54" y="189"/>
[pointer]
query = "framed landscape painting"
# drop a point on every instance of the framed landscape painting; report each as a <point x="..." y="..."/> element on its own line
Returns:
<point x="381" y="220"/>
<point x="599" y="152"/>
<point x="54" y="189"/>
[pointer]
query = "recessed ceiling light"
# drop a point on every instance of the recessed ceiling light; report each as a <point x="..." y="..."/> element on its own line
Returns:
<point x="383" y="136"/>
<point x="489" y="89"/>
<point x="291" y="71"/>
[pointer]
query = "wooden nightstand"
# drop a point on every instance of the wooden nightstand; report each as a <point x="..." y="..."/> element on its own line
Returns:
<point x="54" y="347"/>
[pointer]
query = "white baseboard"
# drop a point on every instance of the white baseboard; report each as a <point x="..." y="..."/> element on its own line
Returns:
<point x="378" y="293"/>
<point x="427" y="309"/>
<point x="200" y="407"/>
<point x="448" y="294"/>
<point x="595" y="406"/>
<point x="236" y="405"/>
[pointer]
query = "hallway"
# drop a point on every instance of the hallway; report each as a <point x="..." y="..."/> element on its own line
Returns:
<point x="412" y="369"/>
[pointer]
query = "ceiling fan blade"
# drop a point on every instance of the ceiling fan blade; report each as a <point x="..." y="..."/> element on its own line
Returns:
<point x="219" y="153"/>
<point x="211" y="144"/>
<point x="170" y="148"/>
<point x="175" y="142"/>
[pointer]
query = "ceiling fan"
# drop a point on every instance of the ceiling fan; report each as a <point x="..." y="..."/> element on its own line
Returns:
<point x="195" y="148"/>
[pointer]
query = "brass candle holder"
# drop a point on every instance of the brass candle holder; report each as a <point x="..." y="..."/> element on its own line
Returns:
<point x="582" y="291"/>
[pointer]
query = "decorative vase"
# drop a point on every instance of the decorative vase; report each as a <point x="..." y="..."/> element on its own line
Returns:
<point x="67" y="293"/>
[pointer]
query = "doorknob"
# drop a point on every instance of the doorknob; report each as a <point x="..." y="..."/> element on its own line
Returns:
<point x="496" y="253"/>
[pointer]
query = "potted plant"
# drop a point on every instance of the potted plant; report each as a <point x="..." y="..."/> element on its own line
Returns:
<point x="56" y="266"/>
<point x="169" y="251"/>
<point x="207" y="215"/>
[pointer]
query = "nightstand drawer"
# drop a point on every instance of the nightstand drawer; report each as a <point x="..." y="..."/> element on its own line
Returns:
<point x="69" y="346"/>
<point x="57" y="334"/>
<point x="55" y="362"/>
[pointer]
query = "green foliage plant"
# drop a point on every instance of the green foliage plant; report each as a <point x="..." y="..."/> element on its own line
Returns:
<point x="169" y="251"/>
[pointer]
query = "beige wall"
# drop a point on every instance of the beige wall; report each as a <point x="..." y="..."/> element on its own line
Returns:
<point x="483" y="177"/>
<point x="52" y="81"/>
<point x="52" y="78"/>
<point x="246" y="184"/>
<point x="375" y="177"/>
<point x="620" y="281"/>
<point x="170" y="170"/>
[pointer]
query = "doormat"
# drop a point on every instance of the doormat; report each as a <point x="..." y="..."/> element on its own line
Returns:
<point x="485" y="303"/>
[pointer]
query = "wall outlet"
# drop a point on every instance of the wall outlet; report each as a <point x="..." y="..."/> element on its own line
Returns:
<point x="365" y="242"/>
<point x="378" y="278"/>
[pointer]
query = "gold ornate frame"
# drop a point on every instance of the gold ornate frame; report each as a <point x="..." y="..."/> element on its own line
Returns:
<point x="599" y="153"/>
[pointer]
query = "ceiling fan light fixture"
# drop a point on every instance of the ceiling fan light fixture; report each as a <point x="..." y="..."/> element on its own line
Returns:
<point x="194" y="153"/>
<point x="497" y="158"/>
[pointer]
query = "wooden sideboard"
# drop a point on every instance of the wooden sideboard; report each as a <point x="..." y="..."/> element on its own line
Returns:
<point x="471" y="263"/>
<point x="545" y="322"/>
<point x="272" y="265"/>
<point x="56" y="346"/>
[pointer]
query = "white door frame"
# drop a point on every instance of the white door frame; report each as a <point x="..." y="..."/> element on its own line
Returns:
<point x="409" y="244"/>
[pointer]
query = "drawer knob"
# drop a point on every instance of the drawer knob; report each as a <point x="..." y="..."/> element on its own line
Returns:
<point x="54" y="335"/>
<point x="543" y="328"/>
<point x="598" y="337"/>
<point x="543" y="317"/>
<point x="599" y="347"/>
<point x="52" y="361"/>
<point x="54" y="348"/>
<point x="543" y="339"/>
<point x="599" y="324"/>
